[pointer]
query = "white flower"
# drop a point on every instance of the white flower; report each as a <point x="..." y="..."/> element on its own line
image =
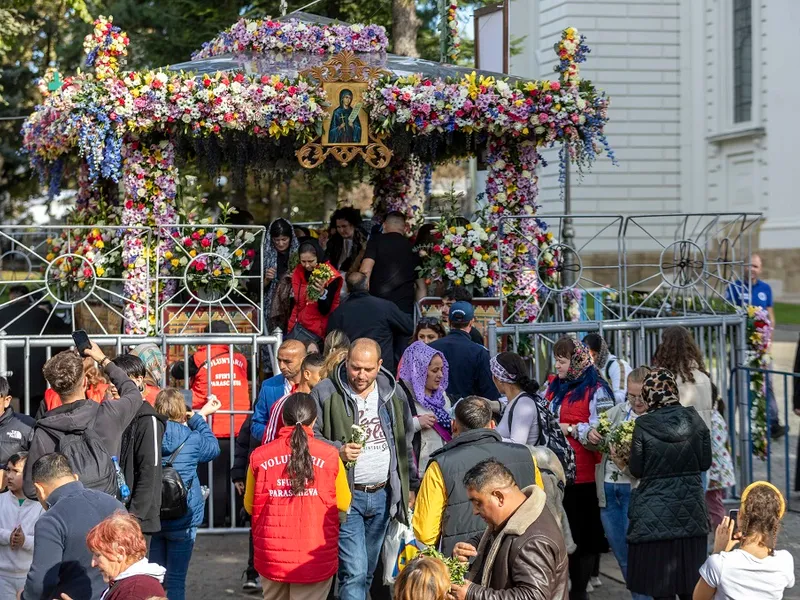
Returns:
<point x="469" y="278"/>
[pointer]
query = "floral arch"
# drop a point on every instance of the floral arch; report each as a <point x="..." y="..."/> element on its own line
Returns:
<point x="243" y="99"/>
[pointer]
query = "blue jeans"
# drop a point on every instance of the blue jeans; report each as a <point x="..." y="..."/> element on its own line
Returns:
<point x="615" y="522"/>
<point x="360" y="543"/>
<point x="773" y="412"/>
<point x="173" y="551"/>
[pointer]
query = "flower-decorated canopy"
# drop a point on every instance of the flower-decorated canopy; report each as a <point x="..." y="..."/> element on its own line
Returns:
<point x="243" y="100"/>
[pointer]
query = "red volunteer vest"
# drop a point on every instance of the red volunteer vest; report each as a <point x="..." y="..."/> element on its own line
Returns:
<point x="219" y="366"/>
<point x="305" y="312"/>
<point x="295" y="538"/>
<point x="94" y="392"/>
<point x="585" y="460"/>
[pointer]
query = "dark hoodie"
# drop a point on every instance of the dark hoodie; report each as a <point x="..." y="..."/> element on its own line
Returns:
<point x="15" y="434"/>
<point x="336" y="412"/>
<point x="671" y="448"/>
<point x="108" y="420"/>
<point x="140" y="460"/>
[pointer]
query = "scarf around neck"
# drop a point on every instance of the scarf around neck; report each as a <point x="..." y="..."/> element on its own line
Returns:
<point x="271" y="262"/>
<point x="582" y="380"/>
<point x="414" y="371"/>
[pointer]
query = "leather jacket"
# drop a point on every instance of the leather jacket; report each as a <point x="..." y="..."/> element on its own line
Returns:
<point x="525" y="560"/>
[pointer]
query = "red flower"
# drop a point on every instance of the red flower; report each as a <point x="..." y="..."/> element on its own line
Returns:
<point x="87" y="272"/>
<point x="215" y="129"/>
<point x="157" y="83"/>
<point x="195" y="235"/>
<point x="239" y="77"/>
<point x="222" y="240"/>
<point x="279" y="85"/>
<point x="437" y="248"/>
<point x="250" y="253"/>
<point x="205" y="242"/>
<point x="187" y="242"/>
<point x="245" y="263"/>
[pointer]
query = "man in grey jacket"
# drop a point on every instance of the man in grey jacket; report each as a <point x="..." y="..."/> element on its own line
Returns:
<point x="94" y="424"/>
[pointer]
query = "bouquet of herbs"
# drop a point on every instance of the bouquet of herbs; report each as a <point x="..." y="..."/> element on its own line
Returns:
<point x="455" y="567"/>
<point x="358" y="435"/>
<point x="621" y="439"/>
<point x="322" y="273"/>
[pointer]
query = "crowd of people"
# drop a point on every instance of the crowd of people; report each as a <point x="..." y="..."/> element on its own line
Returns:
<point x="373" y="424"/>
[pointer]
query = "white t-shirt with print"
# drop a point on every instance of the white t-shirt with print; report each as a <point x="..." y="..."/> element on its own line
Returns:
<point x="372" y="466"/>
<point x="738" y="575"/>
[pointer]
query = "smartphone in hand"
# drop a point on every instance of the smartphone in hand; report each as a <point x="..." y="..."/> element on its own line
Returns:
<point x="734" y="517"/>
<point x="81" y="339"/>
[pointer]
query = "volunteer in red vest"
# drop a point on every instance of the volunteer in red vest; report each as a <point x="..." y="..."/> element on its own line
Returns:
<point x="309" y="378"/>
<point x="312" y="315"/>
<point x="296" y="479"/>
<point x="578" y="395"/>
<point x="209" y="373"/>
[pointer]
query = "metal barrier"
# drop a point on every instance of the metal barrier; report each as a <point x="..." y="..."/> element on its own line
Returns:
<point x="181" y="346"/>
<point x="743" y="402"/>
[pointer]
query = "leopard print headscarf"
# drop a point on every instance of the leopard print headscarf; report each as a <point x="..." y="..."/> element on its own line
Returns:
<point x="660" y="389"/>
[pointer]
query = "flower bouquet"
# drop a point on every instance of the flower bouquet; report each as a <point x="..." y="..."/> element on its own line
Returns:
<point x="759" y="336"/>
<point x="455" y="567"/>
<point x="358" y="436"/>
<point x="322" y="273"/>
<point x="620" y="441"/>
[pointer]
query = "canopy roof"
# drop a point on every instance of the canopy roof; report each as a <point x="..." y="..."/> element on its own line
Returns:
<point x="289" y="64"/>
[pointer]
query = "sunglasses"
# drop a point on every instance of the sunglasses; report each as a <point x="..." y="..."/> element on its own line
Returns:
<point x="428" y="321"/>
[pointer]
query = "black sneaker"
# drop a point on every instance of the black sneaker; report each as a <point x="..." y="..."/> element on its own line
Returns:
<point x="251" y="586"/>
<point x="777" y="431"/>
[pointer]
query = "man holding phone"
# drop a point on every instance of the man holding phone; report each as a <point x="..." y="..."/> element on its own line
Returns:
<point x="86" y="432"/>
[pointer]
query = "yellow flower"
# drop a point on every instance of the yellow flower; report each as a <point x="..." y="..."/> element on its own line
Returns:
<point x="50" y="256"/>
<point x="193" y="253"/>
<point x="100" y="244"/>
<point x="220" y="232"/>
<point x="226" y="270"/>
<point x="81" y="284"/>
<point x="175" y="262"/>
<point x="100" y="271"/>
<point x="458" y="281"/>
<point x="216" y="272"/>
<point x="452" y="230"/>
<point x="238" y="253"/>
<point x="201" y="232"/>
<point x="469" y="227"/>
<point x="167" y="254"/>
<point x="447" y="257"/>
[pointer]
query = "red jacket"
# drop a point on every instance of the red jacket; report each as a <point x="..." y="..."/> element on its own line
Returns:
<point x="94" y="392"/>
<point x="137" y="587"/>
<point x="585" y="460"/>
<point x="307" y="313"/>
<point x="220" y="366"/>
<point x="295" y="538"/>
<point x="150" y="394"/>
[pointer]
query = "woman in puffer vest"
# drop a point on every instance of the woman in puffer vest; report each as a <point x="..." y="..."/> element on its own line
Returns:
<point x="300" y="486"/>
<point x="578" y="395"/>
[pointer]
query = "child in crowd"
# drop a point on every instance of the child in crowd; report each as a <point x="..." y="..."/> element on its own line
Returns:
<point x="745" y="562"/>
<point x="18" y="516"/>
<point x="720" y="475"/>
<point x="424" y="578"/>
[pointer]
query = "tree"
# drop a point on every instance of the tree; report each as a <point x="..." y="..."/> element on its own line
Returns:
<point x="405" y="27"/>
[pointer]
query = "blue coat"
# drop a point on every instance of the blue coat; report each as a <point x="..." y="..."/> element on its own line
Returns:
<point x="271" y="391"/>
<point x="201" y="446"/>
<point x="469" y="366"/>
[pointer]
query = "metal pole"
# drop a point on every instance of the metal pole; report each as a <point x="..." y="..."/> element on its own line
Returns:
<point x="568" y="233"/>
<point x="491" y="333"/>
<point x="4" y="372"/>
<point x="743" y="389"/>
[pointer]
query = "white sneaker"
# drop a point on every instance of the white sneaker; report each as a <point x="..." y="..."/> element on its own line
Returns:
<point x="595" y="581"/>
<point x="589" y="588"/>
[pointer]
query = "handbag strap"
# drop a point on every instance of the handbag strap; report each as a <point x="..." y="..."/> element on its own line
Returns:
<point x="175" y="454"/>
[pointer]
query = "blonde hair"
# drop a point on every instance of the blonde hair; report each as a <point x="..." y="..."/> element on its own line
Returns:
<point x="332" y="361"/>
<point x="638" y="375"/>
<point x="170" y="403"/>
<point x="424" y="578"/>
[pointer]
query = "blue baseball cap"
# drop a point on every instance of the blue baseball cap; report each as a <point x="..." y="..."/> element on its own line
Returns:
<point x="461" y="313"/>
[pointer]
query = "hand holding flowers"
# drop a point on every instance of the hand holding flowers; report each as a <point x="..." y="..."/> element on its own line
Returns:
<point x="317" y="281"/>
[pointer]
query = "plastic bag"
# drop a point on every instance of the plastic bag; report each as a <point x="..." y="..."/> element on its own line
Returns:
<point x="399" y="547"/>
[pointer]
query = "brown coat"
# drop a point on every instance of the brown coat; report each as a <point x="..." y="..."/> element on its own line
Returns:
<point x="527" y="556"/>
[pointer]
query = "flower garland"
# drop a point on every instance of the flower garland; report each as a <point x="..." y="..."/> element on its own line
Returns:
<point x="262" y="35"/>
<point x="451" y="41"/>
<point x="400" y="187"/>
<point x="759" y="337"/>
<point x="571" y="50"/>
<point x="106" y="48"/>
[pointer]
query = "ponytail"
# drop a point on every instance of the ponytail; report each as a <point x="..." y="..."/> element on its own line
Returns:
<point x="516" y="372"/>
<point x="299" y="410"/>
<point x="301" y="466"/>
<point x="528" y="385"/>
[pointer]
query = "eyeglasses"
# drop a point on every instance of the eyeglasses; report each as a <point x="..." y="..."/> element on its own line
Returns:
<point x="632" y="398"/>
<point x="428" y="321"/>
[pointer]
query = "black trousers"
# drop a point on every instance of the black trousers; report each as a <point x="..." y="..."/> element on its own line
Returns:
<point x="580" y="571"/>
<point x="221" y="489"/>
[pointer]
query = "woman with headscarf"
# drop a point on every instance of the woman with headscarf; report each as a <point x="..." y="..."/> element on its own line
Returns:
<point x="667" y="535"/>
<point x="613" y="369"/>
<point x="311" y="316"/>
<point x="578" y="395"/>
<point x="424" y="376"/>
<point x="153" y="360"/>
<point x="280" y="247"/>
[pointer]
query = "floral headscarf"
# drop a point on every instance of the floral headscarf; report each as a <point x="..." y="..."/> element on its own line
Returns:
<point x="271" y="262"/>
<point x="414" y="371"/>
<point x="659" y="389"/>
<point x="153" y="360"/>
<point x="602" y="355"/>
<point x="582" y="379"/>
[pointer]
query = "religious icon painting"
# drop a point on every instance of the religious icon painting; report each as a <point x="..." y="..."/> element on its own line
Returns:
<point x="346" y="123"/>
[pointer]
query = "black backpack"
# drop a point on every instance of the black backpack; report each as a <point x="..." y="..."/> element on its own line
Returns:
<point x="550" y="435"/>
<point x="174" y="494"/>
<point x="88" y="457"/>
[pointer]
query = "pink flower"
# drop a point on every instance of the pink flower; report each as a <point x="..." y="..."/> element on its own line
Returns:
<point x="205" y="242"/>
